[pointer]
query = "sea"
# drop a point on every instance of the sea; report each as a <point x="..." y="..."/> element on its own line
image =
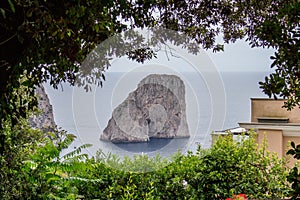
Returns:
<point x="215" y="101"/>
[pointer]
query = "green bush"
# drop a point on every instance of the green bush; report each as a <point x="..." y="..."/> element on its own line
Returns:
<point x="19" y="143"/>
<point x="233" y="167"/>
<point x="228" y="168"/>
<point x="33" y="167"/>
<point x="48" y="170"/>
<point x="294" y="175"/>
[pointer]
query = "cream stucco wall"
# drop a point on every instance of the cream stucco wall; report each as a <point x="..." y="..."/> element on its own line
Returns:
<point x="274" y="139"/>
<point x="272" y="108"/>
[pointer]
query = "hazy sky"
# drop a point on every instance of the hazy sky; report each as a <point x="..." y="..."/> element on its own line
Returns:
<point x="238" y="56"/>
<point x="241" y="57"/>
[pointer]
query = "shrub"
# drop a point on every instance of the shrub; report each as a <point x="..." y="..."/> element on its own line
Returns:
<point x="228" y="168"/>
<point x="33" y="167"/>
<point x="240" y="167"/>
<point x="294" y="175"/>
<point x="19" y="142"/>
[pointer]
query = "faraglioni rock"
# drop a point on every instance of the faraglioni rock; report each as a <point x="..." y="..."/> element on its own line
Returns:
<point x="156" y="109"/>
<point x="44" y="120"/>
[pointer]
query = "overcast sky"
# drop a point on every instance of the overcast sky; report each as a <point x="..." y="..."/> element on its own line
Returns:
<point x="241" y="57"/>
<point x="238" y="56"/>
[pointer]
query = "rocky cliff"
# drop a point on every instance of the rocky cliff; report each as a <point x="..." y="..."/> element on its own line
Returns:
<point x="43" y="120"/>
<point x="156" y="109"/>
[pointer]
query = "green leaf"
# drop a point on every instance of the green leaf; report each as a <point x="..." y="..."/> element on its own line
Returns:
<point x="26" y="83"/>
<point x="12" y="7"/>
<point x="3" y="13"/>
<point x="290" y="152"/>
<point x="76" y="151"/>
<point x="69" y="32"/>
<point x="54" y="33"/>
<point x="293" y="144"/>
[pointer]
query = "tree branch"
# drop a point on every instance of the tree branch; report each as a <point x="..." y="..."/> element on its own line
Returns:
<point x="3" y="42"/>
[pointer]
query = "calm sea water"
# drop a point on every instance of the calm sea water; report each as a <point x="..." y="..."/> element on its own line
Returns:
<point x="208" y="109"/>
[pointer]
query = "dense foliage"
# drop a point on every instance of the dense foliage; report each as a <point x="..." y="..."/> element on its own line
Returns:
<point x="33" y="167"/>
<point x="227" y="168"/>
<point x="38" y="169"/>
<point x="19" y="144"/>
<point x="294" y="176"/>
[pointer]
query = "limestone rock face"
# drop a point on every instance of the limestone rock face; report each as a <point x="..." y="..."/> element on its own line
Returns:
<point x="156" y="109"/>
<point x="44" y="120"/>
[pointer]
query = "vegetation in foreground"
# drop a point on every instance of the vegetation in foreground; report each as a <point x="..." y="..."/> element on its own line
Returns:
<point x="33" y="168"/>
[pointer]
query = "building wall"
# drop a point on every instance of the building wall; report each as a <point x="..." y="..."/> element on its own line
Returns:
<point x="274" y="139"/>
<point x="278" y="138"/>
<point x="272" y="108"/>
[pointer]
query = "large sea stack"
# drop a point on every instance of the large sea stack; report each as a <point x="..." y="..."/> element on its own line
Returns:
<point x="156" y="109"/>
